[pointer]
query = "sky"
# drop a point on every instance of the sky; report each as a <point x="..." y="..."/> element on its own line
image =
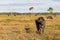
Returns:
<point x="24" y="5"/>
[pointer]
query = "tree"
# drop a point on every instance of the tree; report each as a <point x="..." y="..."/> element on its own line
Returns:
<point x="30" y="9"/>
<point x="50" y="9"/>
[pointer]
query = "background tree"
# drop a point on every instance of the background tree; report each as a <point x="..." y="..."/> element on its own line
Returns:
<point x="50" y="9"/>
<point x="30" y="9"/>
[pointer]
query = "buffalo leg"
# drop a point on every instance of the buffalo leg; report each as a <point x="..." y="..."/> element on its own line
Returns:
<point x="38" y="28"/>
<point x="43" y="29"/>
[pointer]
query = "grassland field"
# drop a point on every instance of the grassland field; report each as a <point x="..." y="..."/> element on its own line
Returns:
<point x="13" y="27"/>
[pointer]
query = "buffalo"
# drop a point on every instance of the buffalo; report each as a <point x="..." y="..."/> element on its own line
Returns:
<point x="40" y="24"/>
<point x="49" y="17"/>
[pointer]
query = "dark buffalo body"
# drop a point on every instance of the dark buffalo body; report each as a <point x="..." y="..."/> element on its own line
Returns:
<point x="40" y="24"/>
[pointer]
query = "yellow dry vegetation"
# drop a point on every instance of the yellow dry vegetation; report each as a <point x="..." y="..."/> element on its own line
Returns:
<point x="13" y="28"/>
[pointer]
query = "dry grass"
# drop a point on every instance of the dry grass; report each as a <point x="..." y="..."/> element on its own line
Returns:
<point x="13" y="28"/>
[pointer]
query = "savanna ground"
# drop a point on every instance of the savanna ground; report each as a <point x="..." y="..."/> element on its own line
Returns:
<point x="13" y="27"/>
